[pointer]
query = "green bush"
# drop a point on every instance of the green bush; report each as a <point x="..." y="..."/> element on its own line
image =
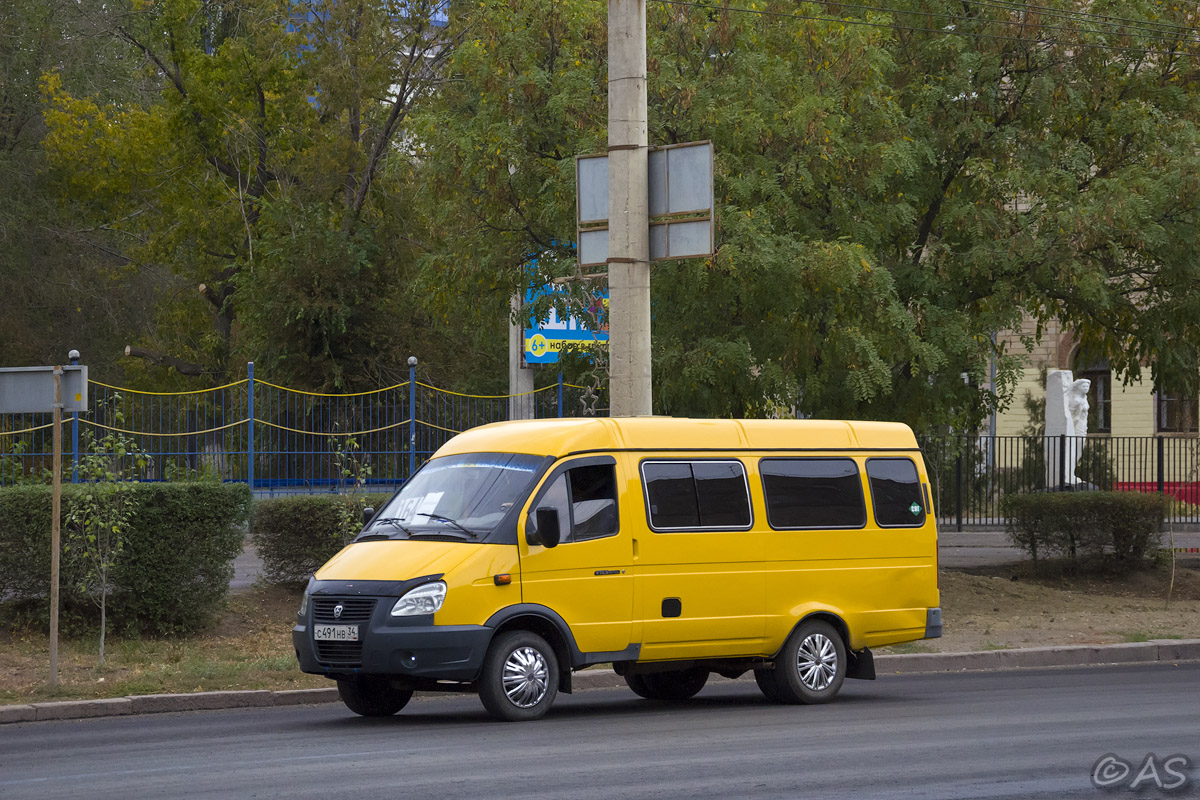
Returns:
<point x="294" y="536"/>
<point x="173" y="573"/>
<point x="1117" y="529"/>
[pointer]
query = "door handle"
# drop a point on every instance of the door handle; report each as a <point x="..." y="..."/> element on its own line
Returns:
<point x="609" y="571"/>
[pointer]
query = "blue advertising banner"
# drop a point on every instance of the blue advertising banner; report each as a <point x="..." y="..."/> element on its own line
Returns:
<point x="545" y="340"/>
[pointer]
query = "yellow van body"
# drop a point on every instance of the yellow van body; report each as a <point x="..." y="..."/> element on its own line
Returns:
<point x="602" y="549"/>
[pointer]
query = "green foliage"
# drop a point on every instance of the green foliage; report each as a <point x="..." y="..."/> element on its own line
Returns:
<point x="1118" y="530"/>
<point x="294" y="536"/>
<point x="99" y="519"/>
<point x="264" y="168"/>
<point x="886" y="199"/>
<point x="176" y="562"/>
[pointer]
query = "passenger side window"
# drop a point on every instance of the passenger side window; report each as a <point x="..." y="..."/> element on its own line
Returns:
<point x="593" y="502"/>
<point x="895" y="492"/>
<point x="691" y="495"/>
<point x="586" y="500"/>
<point x="813" y="493"/>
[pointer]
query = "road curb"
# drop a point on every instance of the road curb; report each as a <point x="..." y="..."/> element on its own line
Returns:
<point x="1155" y="650"/>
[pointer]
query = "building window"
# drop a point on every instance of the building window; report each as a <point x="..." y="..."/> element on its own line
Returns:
<point x="1099" y="393"/>
<point x="1177" y="413"/>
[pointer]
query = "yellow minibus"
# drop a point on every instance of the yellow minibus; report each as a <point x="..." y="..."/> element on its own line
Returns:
<point x="673" y="549"/>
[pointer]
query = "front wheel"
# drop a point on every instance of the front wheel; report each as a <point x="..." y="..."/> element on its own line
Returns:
<point x="372" y="697"/>
<point x="811" y="666"/>
<point x="520" y="677"/>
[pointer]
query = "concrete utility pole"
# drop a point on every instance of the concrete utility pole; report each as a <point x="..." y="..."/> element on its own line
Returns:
<point x="520" y="381"/>
<point x="628" y="211"/>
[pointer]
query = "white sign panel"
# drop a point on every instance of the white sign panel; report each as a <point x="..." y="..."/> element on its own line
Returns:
<point x="681" y="206"/>
<point x="30" y="390"/>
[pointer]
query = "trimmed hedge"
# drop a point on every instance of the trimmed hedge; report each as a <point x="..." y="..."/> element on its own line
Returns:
<point x="294" y="536"/>
<point x="176" y="566"/>
<point x="1119" y="528"/>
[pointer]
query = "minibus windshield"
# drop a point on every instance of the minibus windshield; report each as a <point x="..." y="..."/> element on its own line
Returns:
<point x="458" y="497"/>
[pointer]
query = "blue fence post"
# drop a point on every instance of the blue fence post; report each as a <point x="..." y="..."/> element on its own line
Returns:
<point x="560" y="388"/>
<point x="74" y="356"/>
<point x="250" y="423"/>
<point x="412" y="415"/>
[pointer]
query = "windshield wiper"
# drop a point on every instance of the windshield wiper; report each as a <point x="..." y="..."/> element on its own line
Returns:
<point x="449" y="521"/>
<point x="395" y="522"/>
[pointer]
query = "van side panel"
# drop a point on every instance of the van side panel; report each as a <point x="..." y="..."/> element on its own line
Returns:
<point x="588" y="583"/>
<point x="700" y="593"/>
<point x="879" y="581"/>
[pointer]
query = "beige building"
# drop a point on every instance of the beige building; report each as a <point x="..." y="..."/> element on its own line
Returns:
<point x="1116" y="410"/>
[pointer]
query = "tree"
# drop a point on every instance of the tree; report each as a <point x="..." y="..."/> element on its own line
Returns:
<point x="267" y="172"/>
<point x="891" y="191"/>
<point x="99" y="516"/>
<point x="65" y="283"/>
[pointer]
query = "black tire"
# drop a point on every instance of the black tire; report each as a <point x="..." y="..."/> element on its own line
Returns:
<point x="638" y="684"/>
<point x="531" y="668"/>
<point x="372" y="697"/>
<point x="811" y="666"/>
<point x="675" y="686"/>
<point x="765" y="679"/>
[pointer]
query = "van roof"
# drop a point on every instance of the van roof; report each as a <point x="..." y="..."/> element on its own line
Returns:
<point x="559" y="437"/>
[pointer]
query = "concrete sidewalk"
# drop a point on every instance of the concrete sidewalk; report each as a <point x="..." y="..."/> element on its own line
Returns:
<point x="1158" y="650"/>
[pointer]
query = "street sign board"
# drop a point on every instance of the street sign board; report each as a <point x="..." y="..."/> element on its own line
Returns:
<point x="30" y="390"/>
<point x="681" y="205"/>
<point x="545" y="340"/>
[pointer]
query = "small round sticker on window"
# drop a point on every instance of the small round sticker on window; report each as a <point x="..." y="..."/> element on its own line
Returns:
<point x="915" y="508"/>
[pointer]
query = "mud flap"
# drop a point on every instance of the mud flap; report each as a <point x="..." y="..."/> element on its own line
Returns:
<point x="862" y="665"/>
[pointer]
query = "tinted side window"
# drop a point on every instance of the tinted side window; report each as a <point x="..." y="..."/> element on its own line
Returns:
<point x="721" y="494"/>
<point x="593" y="501"/>
<point x="896" y="492"/>
<point x="697" y="494"/>
<point x="672" y="495"/>
<point x="813" y="493"/>
<point x="586" y="500"/>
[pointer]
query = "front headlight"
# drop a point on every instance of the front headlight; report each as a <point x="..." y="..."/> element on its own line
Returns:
<point x="425" y="599"/>
<point x="303" y="606"/>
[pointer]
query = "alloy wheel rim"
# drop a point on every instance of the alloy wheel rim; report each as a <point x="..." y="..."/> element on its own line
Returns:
<point x="816" y="660"/>
<point x="526" y="677"/>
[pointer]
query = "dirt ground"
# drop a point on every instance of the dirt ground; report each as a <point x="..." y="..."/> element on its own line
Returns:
<point x="992" y="608"/>
<point x="250" y="648"/>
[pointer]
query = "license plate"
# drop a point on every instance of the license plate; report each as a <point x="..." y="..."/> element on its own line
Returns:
<point x="335" y="633"/>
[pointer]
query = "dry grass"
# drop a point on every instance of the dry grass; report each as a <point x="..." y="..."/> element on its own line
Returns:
<point x="250" y="648"/>
<point x="1003" y="607"/>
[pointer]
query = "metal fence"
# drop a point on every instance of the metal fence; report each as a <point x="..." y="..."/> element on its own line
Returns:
<point x="279" y="439"/>
<point x="275" y="438"/>
<point x="971" y="474"/>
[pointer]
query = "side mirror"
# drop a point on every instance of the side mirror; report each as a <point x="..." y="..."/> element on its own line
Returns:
<point x="368" y="515"/>
<point x="548" y="533"/>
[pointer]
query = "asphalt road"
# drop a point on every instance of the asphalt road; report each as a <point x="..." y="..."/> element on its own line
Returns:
<point x="976" y="735"/>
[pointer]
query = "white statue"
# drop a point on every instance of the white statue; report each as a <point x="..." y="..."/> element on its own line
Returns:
<point x="1066" y="414"/>
<point x="1077" y="408"/>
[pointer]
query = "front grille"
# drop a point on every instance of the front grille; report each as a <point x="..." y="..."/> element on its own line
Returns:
<point x="347" y="654"/>
<point x="354" y="609"/>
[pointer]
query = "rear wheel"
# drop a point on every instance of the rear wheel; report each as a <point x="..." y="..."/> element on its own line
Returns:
<point x="671" y="687"/>
<point x="372" y="697"/>
<point x="811" y="666"/>
<point x="520" y="677"/>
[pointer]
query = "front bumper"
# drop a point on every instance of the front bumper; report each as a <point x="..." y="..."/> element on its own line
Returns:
<point x="397" y="647"/>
